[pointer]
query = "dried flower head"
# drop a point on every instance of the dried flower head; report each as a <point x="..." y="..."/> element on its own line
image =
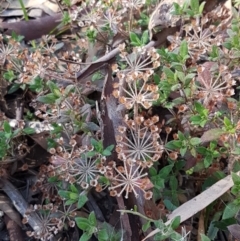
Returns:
<point x="139" y="63"/>
<point x="215" y="83"/>
<point x="83" y="170"/>
<point x="128" y="178"/>
<point x="48" y="223"/>
<point x="139" y="141"/>
<point x="137" y="92"/>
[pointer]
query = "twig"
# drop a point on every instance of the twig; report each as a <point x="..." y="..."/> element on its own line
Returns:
<point x="20" y="204"/>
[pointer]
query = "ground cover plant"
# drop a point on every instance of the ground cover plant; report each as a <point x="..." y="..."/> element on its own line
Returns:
<point x="123" y="123"/>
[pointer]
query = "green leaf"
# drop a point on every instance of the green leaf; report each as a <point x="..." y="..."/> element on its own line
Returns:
<point x="48" y="99"/>
<point x="9" y="76"/>
<point x="110" y="148"/>
<point x="180" y="76"/>
<point x="82" y="223"/>
<point x="177" y="9"/>
<point x="92" y="219"/>
<point x="175" y="87"/>
<point x="73" y="196"/>
<point x="69" y="89"/>
<point x="81" y="201"/>
<point x="169" y="205"/>
<point x="54" y="88"/>
<point x="199" y="108"/>
<point x="194" y="5"/>
<point x="103" y="235"/>
<point x="201" y="7"/>
<point x="230" y="210"/>
<point x="152" y="171"/>
<point x="176" y="236"/>
<point x="17" y="37"/>
<point x="145" y="37"/>
<point x="169" y="73"/>
<point x="95" y="143"/>
<point x="181" y="136"/>
<point x="14" y="88"/>
<point x="193" y="152"/>
<point x="190" y="12"/>
<point x="156" y="79"/>
<point x="36" y="84"/>
<point x="14" y="134"/>
<point x="183" y="151"/>
<point x="73" y="188"/>
<point x="235" y="178"/>
<point x="64" y="194"/>
<point x="164" y="172"/>
<point x="189" y="77"/>
<point x="195" y="141"/>
<point x="227" y="122"/>
<point x="208" y="161"/>
<point x="70" y="202"/>
<point x="175" y="222"/>
<point x="173" y="182"/>
<point x="7" y="128"/>
<point x="97" y="76"/>
<point x="183" y="51"/>
<point x="85" y="237"/>
<point x="159" y="224"/>
<point x="158" y="182"/>
<point x="28" y="130"/>
<point x="224" y="223"/>
<point x="195" y="119"/>
<point x="173" y="145"/>
<point x="204" y="237"/>
<point x="134" y="39"/>
<point x="212" y="230"/>
<point x="106" y="153"/>
<point x="146" y="226"/>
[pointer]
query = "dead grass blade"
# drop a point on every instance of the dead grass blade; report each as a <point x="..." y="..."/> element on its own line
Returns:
<point x="193" y="206"/>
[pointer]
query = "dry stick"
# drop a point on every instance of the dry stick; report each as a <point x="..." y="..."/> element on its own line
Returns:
<point x="8" y="209"/>
<point x="193" y="206"/>
<point x="201" y="224"/>
<point x="15" y="232"/>
<point x="20" y="204"/>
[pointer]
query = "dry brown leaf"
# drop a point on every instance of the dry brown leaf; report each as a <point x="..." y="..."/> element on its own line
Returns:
<point x="212" y="135"/>
<point x="32" y="29"/>
<point x="235" y="231"/>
